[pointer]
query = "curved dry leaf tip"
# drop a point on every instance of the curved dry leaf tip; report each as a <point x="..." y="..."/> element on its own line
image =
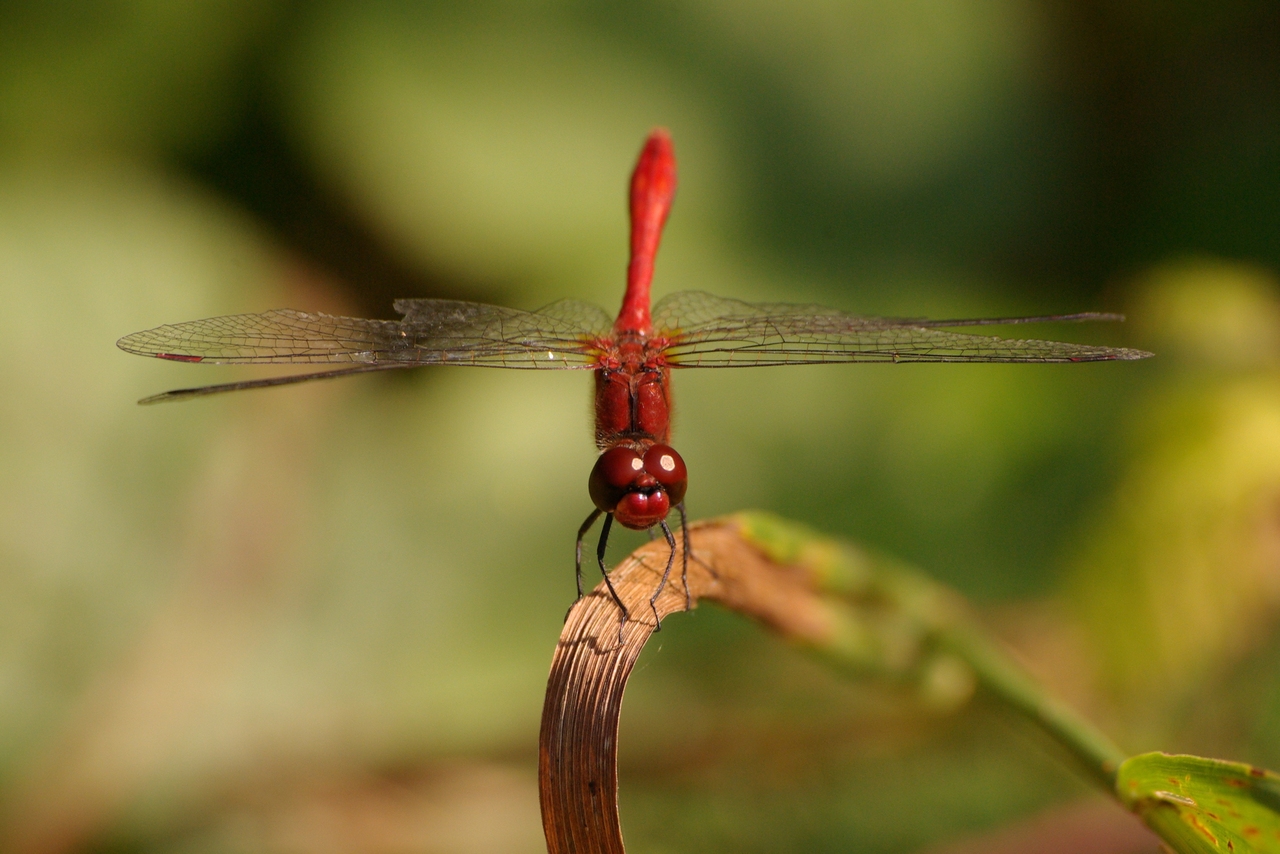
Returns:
<point x="578" y="745"/>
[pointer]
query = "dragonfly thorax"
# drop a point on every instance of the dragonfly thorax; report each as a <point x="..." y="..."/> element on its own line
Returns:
<point x="633" y="394"/>
<point x="638" y="483"/>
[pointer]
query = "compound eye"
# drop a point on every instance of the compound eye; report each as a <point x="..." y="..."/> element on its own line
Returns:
<point x="667" y="469"/>
<point x="611" y="478"/>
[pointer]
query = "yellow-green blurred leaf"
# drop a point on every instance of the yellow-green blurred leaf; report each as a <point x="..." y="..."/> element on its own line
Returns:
<point x="1179" y="573"/>
<point x="1210" y="313"/>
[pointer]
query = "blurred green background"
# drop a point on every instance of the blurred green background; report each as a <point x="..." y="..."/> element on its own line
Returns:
<point x="319" y="619"/>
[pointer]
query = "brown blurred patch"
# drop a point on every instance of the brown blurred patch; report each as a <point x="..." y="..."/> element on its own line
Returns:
<point x="1094" y="825"/>
<point x="449" y="808"/>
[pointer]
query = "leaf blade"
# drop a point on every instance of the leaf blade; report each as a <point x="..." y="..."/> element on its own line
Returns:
<point x="1203" y="805"/>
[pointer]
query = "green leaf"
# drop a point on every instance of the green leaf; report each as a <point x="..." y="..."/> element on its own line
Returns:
<point x="1200" y="805"/>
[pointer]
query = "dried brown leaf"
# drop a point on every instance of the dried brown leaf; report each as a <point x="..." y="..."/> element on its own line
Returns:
<point x="578" y="753"/>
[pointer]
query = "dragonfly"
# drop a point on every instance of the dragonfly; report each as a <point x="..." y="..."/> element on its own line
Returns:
<point x="638" y="478"/>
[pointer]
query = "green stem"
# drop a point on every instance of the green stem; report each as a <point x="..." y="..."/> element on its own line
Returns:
<point x="874" y="602"/>
<point x="1004" y="678"/>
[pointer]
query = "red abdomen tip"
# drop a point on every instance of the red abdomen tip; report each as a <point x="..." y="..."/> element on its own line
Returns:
<point x="653" y="186"/>
<point x="178" y="357"/>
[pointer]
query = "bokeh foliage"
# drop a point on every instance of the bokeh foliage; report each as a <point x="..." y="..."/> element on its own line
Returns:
<point x="271" y="622"/>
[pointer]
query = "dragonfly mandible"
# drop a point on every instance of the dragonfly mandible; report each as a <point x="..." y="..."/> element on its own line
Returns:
<point x="638" y="478"/>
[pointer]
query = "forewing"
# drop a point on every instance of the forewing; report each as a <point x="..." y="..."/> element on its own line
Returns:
<point x="583" y="318"/>
<point x="710" y="331"/>
<point x="432" y="332"/>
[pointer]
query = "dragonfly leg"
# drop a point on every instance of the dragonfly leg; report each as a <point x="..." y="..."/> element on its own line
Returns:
<point x="666" y="573"/>
<point x="577" y="555"/>
<point x="604" y="542"/>
<point x="684" y="555"/>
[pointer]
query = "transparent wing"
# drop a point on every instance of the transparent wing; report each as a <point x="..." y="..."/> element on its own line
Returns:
<point x="710" y="331"/>
<point x="432" y="332"/>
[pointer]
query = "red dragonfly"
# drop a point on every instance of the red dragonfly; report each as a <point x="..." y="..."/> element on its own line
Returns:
<point x="638" y="477"/>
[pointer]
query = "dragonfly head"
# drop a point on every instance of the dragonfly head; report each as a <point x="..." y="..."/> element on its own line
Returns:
<point x="638" y="485"/>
